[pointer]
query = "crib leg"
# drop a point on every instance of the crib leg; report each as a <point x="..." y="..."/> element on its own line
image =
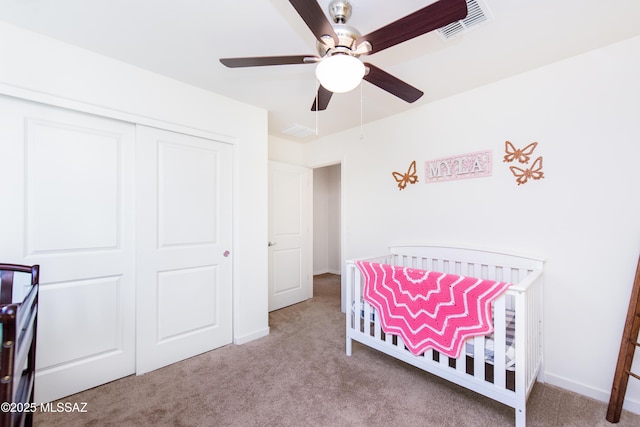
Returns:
<point x="349" y="346"/>
<point x="521" y="417"/>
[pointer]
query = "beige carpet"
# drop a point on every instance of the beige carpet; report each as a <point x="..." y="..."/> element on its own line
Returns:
<point x="299" y="375"/>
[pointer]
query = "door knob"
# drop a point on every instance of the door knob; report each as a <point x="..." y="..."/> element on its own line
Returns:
<point x="272" y="243"/>
<point x="226" y="253"/>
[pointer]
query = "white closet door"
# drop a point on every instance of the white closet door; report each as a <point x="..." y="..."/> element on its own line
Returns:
<point x="184" y="236"/>
<point x="67" y="204"/>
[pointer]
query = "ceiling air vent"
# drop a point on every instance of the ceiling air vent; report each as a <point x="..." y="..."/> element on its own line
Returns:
<point x="478" y="13"/>
<point x="298" y="130"/>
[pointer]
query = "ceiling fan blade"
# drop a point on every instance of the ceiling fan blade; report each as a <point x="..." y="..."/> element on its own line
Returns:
<point x="429" y="18"/>
<point x="392" y="84"/>
<point x="311" y="13"/>
<point x="322" y="99"/>
<point x="259" y="61"/>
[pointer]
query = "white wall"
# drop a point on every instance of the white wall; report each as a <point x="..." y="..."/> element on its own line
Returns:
<point x="582" y="217"/>
<point x="286" y="151"/>
<point x="42" y="69"/>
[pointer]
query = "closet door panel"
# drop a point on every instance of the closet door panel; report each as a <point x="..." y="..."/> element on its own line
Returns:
<point x="70" y="209"/>
<point x="84" y="194"/>
<point x="187" y="196"/>
<point x="184" y="223"/>
<point x="73" y="340"/>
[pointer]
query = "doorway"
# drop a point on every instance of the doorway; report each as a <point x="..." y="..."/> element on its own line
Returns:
<point x="327" y="254"/>
<point x="291" y="272"/>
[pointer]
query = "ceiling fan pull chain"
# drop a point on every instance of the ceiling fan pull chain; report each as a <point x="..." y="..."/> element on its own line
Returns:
<point x="316" y="87"/>
<point x="361" y="108"/>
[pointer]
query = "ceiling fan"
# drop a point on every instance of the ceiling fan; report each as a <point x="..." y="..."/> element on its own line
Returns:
<point x="340" y="46"/>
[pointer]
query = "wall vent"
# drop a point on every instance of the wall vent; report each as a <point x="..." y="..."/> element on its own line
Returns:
<point x="298" y="130"/>
<point x="478" y="13"/>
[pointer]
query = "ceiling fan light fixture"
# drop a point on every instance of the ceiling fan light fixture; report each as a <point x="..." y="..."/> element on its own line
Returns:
<point x="340" y="73"/>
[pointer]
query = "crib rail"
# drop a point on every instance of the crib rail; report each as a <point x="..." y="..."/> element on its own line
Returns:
<point x="498" y="380"/>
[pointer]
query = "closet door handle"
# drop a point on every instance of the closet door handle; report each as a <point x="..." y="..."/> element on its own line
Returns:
<point x="226" y="253"/>
<point x="273" y="243"/>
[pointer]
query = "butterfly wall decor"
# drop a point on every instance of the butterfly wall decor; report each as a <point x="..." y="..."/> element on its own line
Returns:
<point x="534" y="172"/>
<point x="523" y="156"/>
<point x="411" y="177"/>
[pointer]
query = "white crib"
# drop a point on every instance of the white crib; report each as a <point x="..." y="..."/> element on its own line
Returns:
<point x="502" y="366"/>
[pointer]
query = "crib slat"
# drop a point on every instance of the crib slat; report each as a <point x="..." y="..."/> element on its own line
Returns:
<point x="499" y="340"/>
<point x="461" y="362"/>
<point x="476" y="270"/>
<point x="522" y="351"/>
<point x="377" y="326"/>
<point x="478" y="357"/>
<point x="388" y="338"/>
<point x="366" y="317"/>
<point x="444" y="360"/>
<point x="428" y="355"/>
<point x="491" y="272"/>
<point x="349" y="311"/>
<point x="400" y="343"/>
<point x="534" y="328"/>
<point x="357" y="298"/>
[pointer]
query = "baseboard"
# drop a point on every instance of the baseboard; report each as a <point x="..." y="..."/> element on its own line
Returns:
<point x="250" y="337"/>
<point x="631" y="405"/>
<point x="317" y="273"/>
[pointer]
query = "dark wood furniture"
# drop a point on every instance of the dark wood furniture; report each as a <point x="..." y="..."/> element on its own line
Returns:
<point x="625" y="357"/>
<point x="18" y="326"/>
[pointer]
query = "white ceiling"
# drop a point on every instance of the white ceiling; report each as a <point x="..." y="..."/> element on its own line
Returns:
<point x="184" y="39"/>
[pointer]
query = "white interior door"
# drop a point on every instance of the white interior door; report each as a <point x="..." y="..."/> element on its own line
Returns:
<point x="184" y="235"/>
<point x="67" y="204"/>
<point x="290" y="213"/>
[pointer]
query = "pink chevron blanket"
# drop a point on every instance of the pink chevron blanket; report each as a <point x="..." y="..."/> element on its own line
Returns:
<point x="430" y="309"/>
